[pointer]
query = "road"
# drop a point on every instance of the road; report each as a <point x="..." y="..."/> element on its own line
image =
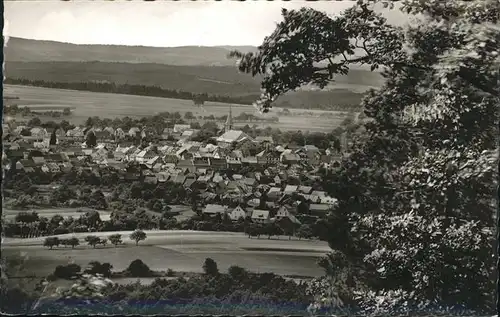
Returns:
<point x="181" y="251"/>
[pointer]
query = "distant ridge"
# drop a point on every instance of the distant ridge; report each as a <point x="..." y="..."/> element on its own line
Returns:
<point x="27" y="50"/>
<point x="193" y="69"/>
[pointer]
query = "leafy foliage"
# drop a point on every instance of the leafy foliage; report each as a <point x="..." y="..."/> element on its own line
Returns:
<point x="67" y="271"/>
<point x="210" y="267"/>
<point x="138" y="235"/>
<point x="137" y="268"/>
<point x="416" y="190"/>
<point x="115" y="239"/>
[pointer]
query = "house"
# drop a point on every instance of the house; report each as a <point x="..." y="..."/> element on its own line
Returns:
<point x="250" y="181"/>
<point x="308" y="149"/>
<point x="162" y="177"/>
<point x="289" y="189"/>
<point x="53" y="167"/>
<point x="260" y="216"/>
<point x="179" y="179"/>
<point x="119" y="134"/>
<point x="319" y="209"/>
<point x="232" y="136"/>
<point x="264" y="139"/>
<point x="39" y="133"/>
<point x="238" y="213"/>
<point x="288" y="157"/>
<point x="150" y="179"/>
<point x="218" y="163"/>
<point x="189" y="133"/>
<point x="76" y="133"/>
<point x="145" y="155"/>
<point x="152" y="161"/>
<point x="180" y="128"/>
<point x="38" y="160"/>
<point x="305" y="189"/>
<point x="55" y="157"/>
<point x="134" y="131"/>
<point x="212" y="210"/>
<point x="121" y="152"/>
<point x="103" y="135"/>
<point x="268" y="157"/>
<point x="284" y="212"/>
<point x="249" y="160"/>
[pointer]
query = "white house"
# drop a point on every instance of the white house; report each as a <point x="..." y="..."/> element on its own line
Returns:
<point x="145" y="155"/>
<point x="212" y="209"/>
<point x="283" y="212"/>
<point x="233" y="136"/>
<point x="39" y="133"/>
<point x="260" y="216"/>
<point x="238" y="213"/>
<point x="119" y="134"/>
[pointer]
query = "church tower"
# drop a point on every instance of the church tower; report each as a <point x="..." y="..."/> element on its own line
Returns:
<point x="229" y="121"/>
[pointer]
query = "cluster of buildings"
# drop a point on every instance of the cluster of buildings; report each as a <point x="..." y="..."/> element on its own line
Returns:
<point x="276" y="170"/>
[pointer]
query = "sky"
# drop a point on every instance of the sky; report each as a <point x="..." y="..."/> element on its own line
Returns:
<point x="159" y="23"/>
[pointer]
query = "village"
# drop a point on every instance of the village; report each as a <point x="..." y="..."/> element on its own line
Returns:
<point x="235" y="176"/>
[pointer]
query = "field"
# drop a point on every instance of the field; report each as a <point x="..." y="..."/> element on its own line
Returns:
<point x="182" y="251"/>
<point x="85" y="104"/>
<point x="10" y="214"/>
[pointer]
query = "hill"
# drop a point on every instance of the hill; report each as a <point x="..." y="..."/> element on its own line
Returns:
<point x="26" y="50"/>
<point x="193" y="69"/>
<point x="224" y="80"/>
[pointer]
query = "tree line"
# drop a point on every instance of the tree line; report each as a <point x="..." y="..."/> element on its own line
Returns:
<point x="157" y="91"/>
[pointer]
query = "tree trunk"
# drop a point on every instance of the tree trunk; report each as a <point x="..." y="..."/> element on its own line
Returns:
<point x="137" y="243"/>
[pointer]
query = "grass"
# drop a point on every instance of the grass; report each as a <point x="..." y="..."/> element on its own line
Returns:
<point x="106" y="105"/>
<point x="49" y="213"/>
<point x="42" y="262"/>
<point x="182" y="251"/>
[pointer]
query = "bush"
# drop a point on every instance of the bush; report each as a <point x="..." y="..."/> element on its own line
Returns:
<point x="137" y="268"/>
<point x="170" y="272"/>
<point x="60" y="230"/>
<point x="51" y="278"/>
<point x="96" y="267"/>
<point x="210" y="267"/>
<point x="237" y="273"/>
<point x="69" y="271"/>
<point x="51" y="242"/>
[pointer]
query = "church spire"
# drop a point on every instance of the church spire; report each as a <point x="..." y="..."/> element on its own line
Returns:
<point x="229" y="121"/>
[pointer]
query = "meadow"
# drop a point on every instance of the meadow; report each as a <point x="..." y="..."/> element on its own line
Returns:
<point x="10" y="214"/>
<point x="84" y="104"/>
<point x="182" y="251"/>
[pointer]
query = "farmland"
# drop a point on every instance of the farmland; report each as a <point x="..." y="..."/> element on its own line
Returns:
<point x="84" y="104"/>
<point x="10" y="214"/>
<point x="182" y="251"/>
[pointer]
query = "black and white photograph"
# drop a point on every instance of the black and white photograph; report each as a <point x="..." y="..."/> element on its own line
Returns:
<point x="305" y="158"/>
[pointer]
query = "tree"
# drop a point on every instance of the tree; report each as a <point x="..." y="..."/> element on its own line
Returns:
<point x="115" y="239"/>
<point x="189" y="116"/>
<point x="210" y="267"/>
<point x="430" y="137"/>
<point x="51" y="242"/>
<point x="53" y="138"/>
<point x="56" y="220"/>
<point x="69" y="271"/>
<point x="96" y="267"/>
<point x="305" y="231"/>
<point x="73" y="242"/>
<point x="92" y="240"/>
<point x="237" y="273"/>
<point x="138" y="235"/>
<point x="91" y="139"/>
<point x="137" y="268"/>
<point x="27" y="217"/>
